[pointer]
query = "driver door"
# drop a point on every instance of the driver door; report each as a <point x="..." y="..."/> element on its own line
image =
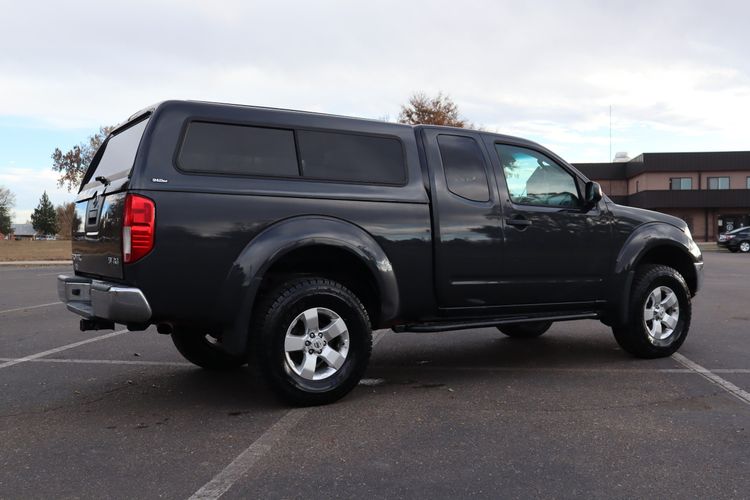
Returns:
<point x="555" y="249"/>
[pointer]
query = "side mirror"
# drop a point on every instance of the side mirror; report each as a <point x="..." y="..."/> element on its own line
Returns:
<point x="593" y="194"/>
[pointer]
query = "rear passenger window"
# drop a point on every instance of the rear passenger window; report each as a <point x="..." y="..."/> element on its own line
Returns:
<point x="238" y="149"/>
<point x="464" y="167"/>
<point x="349" y="157"/>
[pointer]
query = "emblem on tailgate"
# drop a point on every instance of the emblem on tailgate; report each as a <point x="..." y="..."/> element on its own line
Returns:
<point x="159" y="179"/>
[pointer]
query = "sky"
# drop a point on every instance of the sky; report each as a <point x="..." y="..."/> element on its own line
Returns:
<point x="676" y="74"/>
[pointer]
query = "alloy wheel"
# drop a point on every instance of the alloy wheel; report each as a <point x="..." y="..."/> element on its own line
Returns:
<point x="316" y="344"/>
<point x="661" y="312"/>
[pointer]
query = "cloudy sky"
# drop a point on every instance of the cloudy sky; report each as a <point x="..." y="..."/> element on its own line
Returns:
<point x="676" y="73"/>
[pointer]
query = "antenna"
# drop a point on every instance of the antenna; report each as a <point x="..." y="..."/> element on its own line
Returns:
<point x="610" y="133"/>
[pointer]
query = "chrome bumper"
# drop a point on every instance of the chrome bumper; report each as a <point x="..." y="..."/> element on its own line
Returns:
<point x="98" y="299"/>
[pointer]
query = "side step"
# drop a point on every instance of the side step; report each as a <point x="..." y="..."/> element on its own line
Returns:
<point x="445" y="326"/>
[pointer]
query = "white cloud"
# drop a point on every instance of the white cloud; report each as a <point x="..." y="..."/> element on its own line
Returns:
<point x="28" y="184"/>
<point x="548" y="70"/>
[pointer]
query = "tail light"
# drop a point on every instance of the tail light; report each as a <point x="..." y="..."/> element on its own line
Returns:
<point x="137" y="228"/>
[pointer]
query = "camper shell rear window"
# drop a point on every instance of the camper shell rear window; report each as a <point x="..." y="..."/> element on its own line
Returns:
<point x="116" y="156"/>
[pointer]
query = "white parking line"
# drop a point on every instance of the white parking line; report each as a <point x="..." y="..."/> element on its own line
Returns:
<point x="732" y="389"/>
<point x="137" y="362"/>
<point x="59" y="349"/>
<point x="29" y="307"/>
<point x="225" y="479"/>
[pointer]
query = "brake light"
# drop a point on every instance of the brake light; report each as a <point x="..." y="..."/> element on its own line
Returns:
<point x="137" y="228"/>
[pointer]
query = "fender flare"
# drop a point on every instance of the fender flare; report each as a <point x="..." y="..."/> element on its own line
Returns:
<point x="642" y="240"/>
<point x="243" y="280"/>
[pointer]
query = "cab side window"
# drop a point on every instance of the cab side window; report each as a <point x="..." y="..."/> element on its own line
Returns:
<point x="463" y="163"/>
<point x="534" y="179"/>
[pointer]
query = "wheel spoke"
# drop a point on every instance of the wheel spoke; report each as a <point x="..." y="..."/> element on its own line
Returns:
<point x="334" y="330"/>
<point x="294" y="343"/>
<point x="332" y="357"/>
<point x="657" y="329"/>
<point x="670" y="321"/>
<point x="648" y="314"/>
<point x="308" y="366"/>
<point x="669" y="300"/>
<point x="310" y="319"/>
<point x="656" y="296"/>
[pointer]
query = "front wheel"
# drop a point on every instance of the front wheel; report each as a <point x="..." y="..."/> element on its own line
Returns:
<point x="745" y="246"/>
<point x="659" y="313"/>
<point x="313" y="340"/>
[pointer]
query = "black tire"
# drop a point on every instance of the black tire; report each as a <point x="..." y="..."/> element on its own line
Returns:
<point x="634" y="336"/>
<point x="526" y="330"/>
<point x="744" y="246"/>
<point x="279" y="316"/>
<point x="204" y="351"/>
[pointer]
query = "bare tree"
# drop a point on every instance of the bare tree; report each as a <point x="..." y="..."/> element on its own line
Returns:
<point x="7" y="202"/>
<point x="437" y="110"/>
<point x="72" y="164"/>
<point x="67" y="219"/>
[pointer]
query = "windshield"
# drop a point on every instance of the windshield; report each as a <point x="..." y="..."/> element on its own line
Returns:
<point x="119" y="154"/>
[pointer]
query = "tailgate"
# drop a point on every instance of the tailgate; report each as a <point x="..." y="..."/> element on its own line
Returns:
<point x="97" y="241"/>
<point x="97" y="232"/>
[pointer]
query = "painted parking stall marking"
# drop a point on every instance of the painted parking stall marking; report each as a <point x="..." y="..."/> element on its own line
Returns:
<point x="25" y="308"/>
<point x="732" y="389"/>
<point x="59" y="349"/>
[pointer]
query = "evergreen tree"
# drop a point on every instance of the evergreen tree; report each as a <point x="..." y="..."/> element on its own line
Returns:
<point x="5" y="220"/>
<point x="44" y="218"/>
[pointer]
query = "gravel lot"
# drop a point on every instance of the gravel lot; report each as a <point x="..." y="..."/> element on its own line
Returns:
<point x="470" y="413"/>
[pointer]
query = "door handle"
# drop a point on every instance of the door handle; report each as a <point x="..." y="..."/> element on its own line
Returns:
<point x="519" y="222"/>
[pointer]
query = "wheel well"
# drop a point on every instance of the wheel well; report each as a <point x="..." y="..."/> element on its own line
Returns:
<point x="327" y="262"/>
<point x="675" y="258"/>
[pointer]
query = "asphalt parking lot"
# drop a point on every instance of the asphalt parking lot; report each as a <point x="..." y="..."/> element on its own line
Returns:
<point x="470" y="413"/>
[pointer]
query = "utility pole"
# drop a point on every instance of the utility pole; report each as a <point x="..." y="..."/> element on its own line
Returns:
<point x="610" y="133"/>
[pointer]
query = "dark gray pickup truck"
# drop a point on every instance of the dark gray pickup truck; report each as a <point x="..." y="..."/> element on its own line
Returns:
<point x="283" y="238"/>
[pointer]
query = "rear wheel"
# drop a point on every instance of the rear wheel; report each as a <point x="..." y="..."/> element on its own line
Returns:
<point x="659" y="313"/>
<point x="313" y="340"/>
<point x="204" y="350"/>
<point x="526" y="330"/>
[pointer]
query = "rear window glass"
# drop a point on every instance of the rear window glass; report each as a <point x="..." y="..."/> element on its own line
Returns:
<point x="119" y="153"/>
<point x="238" y="149"/>
<point x="351" y="158"/>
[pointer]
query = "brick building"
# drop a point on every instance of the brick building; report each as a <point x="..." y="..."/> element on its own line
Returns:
<point x="709" y="191"/>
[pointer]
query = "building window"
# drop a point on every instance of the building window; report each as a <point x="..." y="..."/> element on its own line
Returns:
<point x="718" y="183"/>
<point x="679" y="183"/>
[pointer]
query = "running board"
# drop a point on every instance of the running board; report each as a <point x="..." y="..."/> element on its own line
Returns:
<point x="444" y="326"/>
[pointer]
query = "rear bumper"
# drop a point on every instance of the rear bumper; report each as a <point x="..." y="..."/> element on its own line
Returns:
<point x="99" y="299"/>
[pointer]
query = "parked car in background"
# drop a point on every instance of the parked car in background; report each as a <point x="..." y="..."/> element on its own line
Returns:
<point x="736" y="241"/>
